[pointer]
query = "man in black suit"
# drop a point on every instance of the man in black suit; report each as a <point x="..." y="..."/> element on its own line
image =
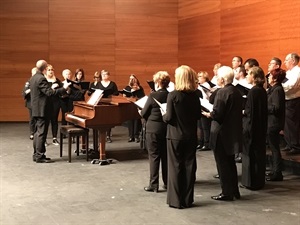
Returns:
<point x="227" y="116"/>
<point x="40" y="92"/>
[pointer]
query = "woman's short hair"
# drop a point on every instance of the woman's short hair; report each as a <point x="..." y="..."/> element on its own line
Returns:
<point x="258" y="75"/>
<point x="185" y="79"/>
<point x="162" y="78"/>
<point x="278" y="75"/>
<point x="204" y="75"/>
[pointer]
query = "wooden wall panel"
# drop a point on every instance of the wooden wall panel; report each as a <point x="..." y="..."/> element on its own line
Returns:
<point x="250" y="38"/>
<point x="23" y="39"/>
<point x="137" y="36"/>
<point x="146" y="40"/>
<point x="259" y="29"/>
<point x="122" y="36"/>
<point x="82" y="37"/>
<point x="193" y="8"/>
<point x="199" y="44"/>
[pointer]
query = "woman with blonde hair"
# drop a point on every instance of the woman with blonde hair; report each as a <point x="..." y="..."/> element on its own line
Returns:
<point x="183" y="111"/>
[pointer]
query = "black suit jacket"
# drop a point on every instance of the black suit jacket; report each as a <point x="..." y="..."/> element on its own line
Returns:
<point x="183" y="111"/>
<point x="276" y="107"/>
<point x="152" y="114"/>
<point x="40" y="93"/>
<point x="226" y="126"/>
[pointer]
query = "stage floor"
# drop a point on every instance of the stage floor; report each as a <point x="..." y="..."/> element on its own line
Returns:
<point x="81" y="193"/>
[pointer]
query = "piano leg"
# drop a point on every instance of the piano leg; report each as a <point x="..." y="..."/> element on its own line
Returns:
<point x="102" y="155"/>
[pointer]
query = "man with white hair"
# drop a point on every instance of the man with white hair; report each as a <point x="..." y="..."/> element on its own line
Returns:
<point x="292" y="104"/>
<point x="40" y="91"/>
<point x="226" y="116"/>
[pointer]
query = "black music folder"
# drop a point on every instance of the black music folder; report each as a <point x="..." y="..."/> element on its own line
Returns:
<point x="151" y="84"/>
<point x="83" y="84"/>
<point x="243" y="89"/>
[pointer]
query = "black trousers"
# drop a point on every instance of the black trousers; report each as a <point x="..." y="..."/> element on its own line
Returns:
<point x="292" y="123"/>
<point x="227" y="170"/>
<point x="134" y="128"/>
<point x="157" y="151"/>
<point x="54" y="118"/>
<point x="64" y="109"/>
<point x="31" y="122"/>
<point x="274" y="141"/>
<point x="181" y="171"/>
<point x="40" y="135"/>
<point x="205" y="124"/>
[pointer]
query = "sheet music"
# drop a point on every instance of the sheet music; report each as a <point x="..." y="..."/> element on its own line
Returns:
<point x="205" y="103"/>
<point x="141" y="102"/>
<point x="163" y="106"/>
<point x="95" y="97"/>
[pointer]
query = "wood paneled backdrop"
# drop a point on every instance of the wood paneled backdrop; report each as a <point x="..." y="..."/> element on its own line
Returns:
<point x="136" y="36"/>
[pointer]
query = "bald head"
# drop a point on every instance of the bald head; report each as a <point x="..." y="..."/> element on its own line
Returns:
<point x="41" y="65"/>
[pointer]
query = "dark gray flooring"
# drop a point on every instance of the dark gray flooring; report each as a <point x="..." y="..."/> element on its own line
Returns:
<point x="80" y="193"/>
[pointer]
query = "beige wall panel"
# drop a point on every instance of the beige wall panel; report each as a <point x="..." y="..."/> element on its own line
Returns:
<point x="194" y="8"/>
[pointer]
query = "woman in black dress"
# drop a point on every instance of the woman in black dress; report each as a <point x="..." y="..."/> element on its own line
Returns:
<point x="276" y="118"/>
<point x="110" y="88"/>
<point x="183" y="111"/>
<point x="254" y="132"/>
<point x="136" y="91"/>
<point x="156" y="130"/>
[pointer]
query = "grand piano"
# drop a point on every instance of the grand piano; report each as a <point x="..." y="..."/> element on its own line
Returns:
<point x="105" y="114"/>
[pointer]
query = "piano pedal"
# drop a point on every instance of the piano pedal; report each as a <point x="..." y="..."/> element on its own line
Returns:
<point x="102" y="162"/>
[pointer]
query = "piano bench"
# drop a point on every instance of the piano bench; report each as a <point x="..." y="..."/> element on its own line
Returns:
<point x="72" y="131"/>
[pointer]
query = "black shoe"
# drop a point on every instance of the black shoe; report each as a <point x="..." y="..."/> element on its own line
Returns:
<point x="217" y="176"/>
<point x="151" y="189"/>
<point x="55" y="141"/>
<point x="237" y="195"/>
<point x="286" y="149"/>
<point x="238" y="159"/>
<point x="44" y="160"/>
<point x="222" y="197"/>
<point x="199" y="147"/>
<point x="293" y="152"/>
<point x="108" y="139"/>
<point x="31" y="137"/>
<point x="137" y="140"/>
<point x="42" y="157"/>
<point x="131" y="140"/>
<point x="269" y="173"/>
<point x="275" y="177"/>
<point x="204" y="148"/>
